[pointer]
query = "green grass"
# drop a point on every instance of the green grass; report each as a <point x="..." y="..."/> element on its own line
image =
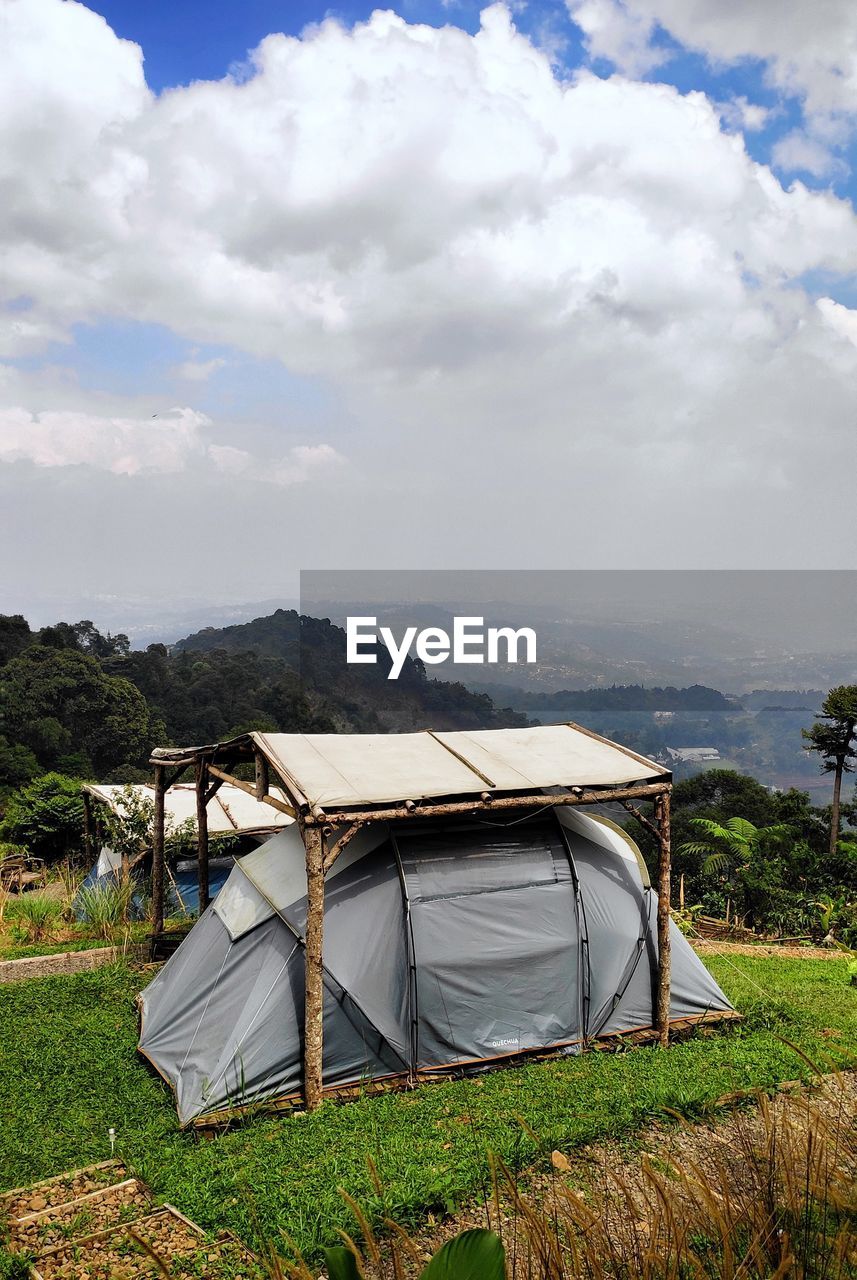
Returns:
<point x="69" y="1072"/>
<point x="24" y="951"/>
<point x="137" y="931"/>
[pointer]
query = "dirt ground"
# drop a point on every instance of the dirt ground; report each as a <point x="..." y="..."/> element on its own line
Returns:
<point x="706" y="946"/>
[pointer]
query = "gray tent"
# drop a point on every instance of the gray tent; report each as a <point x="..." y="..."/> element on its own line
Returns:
<point x="447" y="944"/>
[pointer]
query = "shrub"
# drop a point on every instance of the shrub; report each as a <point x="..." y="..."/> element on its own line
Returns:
<point x="46" y="817"/>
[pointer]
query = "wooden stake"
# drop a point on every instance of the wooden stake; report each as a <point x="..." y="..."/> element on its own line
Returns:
<point x="201" y="779"/>
<point x="314" y="973"/>
<point x="662" y="1011"/>
<point x="158" y="853"/>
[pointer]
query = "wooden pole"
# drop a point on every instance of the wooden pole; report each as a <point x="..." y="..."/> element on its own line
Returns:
<point x="314" y="973"/>
<point x="158" y="852"/>
<point x="201" y="779"/>
<point x="662" y="1012"/>
<point x="262" y="781"/>
<point x="87" y="828"/>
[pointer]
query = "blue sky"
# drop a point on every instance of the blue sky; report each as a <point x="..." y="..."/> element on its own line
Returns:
<point x="382" y="271"/>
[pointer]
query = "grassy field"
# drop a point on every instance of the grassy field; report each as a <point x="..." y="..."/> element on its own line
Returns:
<point x="69" y="1071"/>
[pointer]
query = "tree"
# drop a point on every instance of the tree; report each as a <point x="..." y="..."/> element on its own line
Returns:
<point x="59" y="702"/>
<point x="15" y="635"/>
<point x="46" y="817"/>
<point x="129" y="828"/>
<point x="834" y="738"/>
<point x="737" y="845"/>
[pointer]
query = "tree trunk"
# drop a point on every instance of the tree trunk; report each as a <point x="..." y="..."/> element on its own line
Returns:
<point x="314" y="974"/>
<point x="158" y="853"/>
<point x="201" y="779"/>
<point x="662" y="1009"/>
<point x="834" y="816"/>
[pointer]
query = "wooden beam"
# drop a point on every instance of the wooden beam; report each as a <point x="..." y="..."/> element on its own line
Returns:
<point x="174" y="777"/>
<point x="158" y="852"/>
<point x="335" y="850"/>
<point x="651" y="827"/>
<point x="540" y="800"/>
<point x="213" y="790"/>
<point x="201" y="780"/>
<point x="590" y="733"/>
<point x="468" y="764"/>
<point x="250" y="788"/>
<point x="662" y="1010"/>
<point x="313" y="971"/>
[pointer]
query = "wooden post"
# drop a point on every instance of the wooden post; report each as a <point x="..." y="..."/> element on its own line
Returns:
<point x="262" y="782"/>
<point x="87" y="828"/>
<point x="158" y="852"/>
<point x="662" y="1012"/>
<point x="313" y="971"/>
<point x="201" y="779"/>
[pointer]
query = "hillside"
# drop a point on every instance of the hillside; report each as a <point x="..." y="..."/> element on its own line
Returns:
<point x="88" y="705"/>
<point x="356" y="697"/>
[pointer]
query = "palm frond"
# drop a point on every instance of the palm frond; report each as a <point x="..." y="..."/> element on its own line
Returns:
<point x="747" y="832"/>
<point x="697" y="848"/>
<point x="714" y="830"/>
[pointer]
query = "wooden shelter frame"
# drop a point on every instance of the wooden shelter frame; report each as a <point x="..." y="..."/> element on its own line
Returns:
<point x="326" y="833"/>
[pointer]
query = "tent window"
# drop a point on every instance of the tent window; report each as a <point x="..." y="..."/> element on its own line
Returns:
<point x="482" y="860"/>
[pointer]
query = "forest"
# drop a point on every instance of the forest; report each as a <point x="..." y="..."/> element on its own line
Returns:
<point x="80" y="705"/>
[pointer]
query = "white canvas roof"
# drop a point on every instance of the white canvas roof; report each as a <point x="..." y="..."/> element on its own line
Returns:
<point x="333" y="770"/>
<point x="231" y="811"/>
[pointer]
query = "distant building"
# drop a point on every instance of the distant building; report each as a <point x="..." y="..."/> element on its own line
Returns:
<point x="693" y="755"/>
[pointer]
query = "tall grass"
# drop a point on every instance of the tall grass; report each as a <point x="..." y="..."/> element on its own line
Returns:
<point x="105" y="907"/>
<point x="34" y="917"/>
<point x="778" y="1199"/>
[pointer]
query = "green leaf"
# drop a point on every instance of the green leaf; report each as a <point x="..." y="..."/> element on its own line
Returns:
<point x="746" y="832"/>
<point x="472" y="1255"/>
<point x="341" y="1263"/>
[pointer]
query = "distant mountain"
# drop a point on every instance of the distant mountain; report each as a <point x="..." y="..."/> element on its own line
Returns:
<point x="617" y="697"/>
<point x="357" y="697"/>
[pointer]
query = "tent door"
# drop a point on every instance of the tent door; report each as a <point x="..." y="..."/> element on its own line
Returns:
<point x="495" y="939"/>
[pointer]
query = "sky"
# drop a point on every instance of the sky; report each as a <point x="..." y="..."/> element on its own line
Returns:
<point x="555" y="284"/>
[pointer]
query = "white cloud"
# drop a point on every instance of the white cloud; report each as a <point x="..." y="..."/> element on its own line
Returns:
<point x="123" y="446"/>
<point x="494" y="266"/>
<point x="798" y="152"/>
<point x="809" y="53"/>
<point x="297" y="466"/>
<point x="164" y="444"/>
<point x="621" y="32"/>
<point x="740" y="113"/>
<point x="810" y="49"/>
<point x="843" y="320"/>
<point x="199" y="370"/>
